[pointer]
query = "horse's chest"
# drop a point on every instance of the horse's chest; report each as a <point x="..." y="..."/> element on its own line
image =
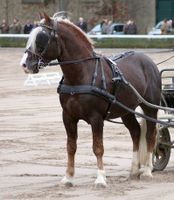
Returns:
<point x="75" y="106"/>
<point x="83" y="106"/>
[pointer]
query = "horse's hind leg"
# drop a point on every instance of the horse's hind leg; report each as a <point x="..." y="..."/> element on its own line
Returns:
<point x="150" y="137"/>
<point x="71" y="130"/>
<point x="133" y="126"/>
<point x="98" y="149"/>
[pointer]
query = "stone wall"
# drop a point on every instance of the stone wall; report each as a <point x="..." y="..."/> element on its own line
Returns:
<point x="142" y="12"/>
<point x="25" y="11"/>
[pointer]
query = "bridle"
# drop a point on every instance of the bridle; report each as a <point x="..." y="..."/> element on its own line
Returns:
<point x="40" y="56"/>
<point x="54" y="35"/>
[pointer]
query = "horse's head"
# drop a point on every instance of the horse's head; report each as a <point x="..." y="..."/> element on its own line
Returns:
<point x="42" y="46"/>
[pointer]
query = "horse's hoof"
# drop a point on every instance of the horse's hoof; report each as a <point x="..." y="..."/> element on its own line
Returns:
<point x="100" y="182"/>
<point x="146" y="177"/>
<point x="134" y="177"/>
<point x="134" y="174"/>
<point x="67" y="182"/>
<point x="146" y="174"/>
<point x="100" y="185"/>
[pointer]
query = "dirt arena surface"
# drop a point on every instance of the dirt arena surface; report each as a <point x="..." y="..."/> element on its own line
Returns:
<point x="33" y="144"/>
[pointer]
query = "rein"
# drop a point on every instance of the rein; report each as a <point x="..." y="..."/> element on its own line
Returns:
<point x="118" y="78"/>
<point x="77" y="61"/>
<point x="90" y="58"/>
<point x="44" y="64"/>
<point x="165" y="60"/>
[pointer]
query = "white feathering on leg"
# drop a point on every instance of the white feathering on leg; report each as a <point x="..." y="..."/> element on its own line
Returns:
<point x="67" y="180"/>
<point x="145" y="158"/>
<point x="135" y="164"/>
<point x="143" y="144"/>
<point x="101" y="178"/>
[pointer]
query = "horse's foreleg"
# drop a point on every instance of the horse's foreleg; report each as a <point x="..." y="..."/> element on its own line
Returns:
<point x="71" y="130"/>
<point x="98" y="149"/>
<point x="134" y="128"/>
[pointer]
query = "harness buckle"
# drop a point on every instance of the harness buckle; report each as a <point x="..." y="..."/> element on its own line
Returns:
<point x="116" y="79"/>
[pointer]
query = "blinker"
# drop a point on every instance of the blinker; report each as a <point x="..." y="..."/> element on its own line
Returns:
<point x="42" y="39"/>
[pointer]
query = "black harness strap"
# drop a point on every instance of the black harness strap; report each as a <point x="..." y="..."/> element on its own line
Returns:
<point x="85" y="89"/>
<point x="117" y="78"/>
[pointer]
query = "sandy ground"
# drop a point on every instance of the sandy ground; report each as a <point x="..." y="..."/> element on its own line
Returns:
<point x="33" y="144"/>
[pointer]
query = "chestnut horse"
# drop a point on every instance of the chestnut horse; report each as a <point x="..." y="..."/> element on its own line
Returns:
<point x="84" y="71"/>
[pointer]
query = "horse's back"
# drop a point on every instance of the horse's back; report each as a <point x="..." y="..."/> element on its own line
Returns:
<point x="142" y="73"/>
<point x="137" y="62"/>
<point x="138" y="65"/>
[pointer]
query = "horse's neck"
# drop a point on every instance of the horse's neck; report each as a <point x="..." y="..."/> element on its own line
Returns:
<point x="73" y="49"/>
<point x="77" y="74"/>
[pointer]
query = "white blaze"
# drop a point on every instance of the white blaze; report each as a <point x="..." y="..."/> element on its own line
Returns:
<point x="23" y="60"/>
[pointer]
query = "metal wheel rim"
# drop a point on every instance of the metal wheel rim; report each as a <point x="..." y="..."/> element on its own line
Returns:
<point x="161" y="154"/>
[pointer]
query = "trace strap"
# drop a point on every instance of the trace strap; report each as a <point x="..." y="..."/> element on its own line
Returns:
<point x="118" y="77"/>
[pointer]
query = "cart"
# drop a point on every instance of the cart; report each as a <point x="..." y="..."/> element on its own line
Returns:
<point x="162" y="150"/>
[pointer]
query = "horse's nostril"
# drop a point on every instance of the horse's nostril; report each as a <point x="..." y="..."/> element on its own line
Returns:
<point x="24" y="65"/>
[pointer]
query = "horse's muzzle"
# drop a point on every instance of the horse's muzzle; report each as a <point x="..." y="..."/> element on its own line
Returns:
<point x="26" y="69"/>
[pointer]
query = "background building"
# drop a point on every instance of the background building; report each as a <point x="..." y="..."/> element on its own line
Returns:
<point x="144" y="13"/>
<point x="164" y="9"/>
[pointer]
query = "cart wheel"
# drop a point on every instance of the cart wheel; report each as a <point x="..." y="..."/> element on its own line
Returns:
<point x="161" y="153"/>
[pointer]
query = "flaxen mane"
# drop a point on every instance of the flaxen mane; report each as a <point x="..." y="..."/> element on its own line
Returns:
<point x="81" y="35"/>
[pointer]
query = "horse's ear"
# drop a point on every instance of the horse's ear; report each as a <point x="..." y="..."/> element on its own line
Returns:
<point x="47" y="18"/>
<point x="41" y="16"/>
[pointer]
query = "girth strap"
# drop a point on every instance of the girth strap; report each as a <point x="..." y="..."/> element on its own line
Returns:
<point x="85" y="89"/>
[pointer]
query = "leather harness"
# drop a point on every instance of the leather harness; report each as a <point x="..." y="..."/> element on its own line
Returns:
<point x="92" y="89"/>
<point x="117" y="78"/>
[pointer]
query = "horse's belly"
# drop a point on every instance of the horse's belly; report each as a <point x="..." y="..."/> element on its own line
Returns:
<point x="84" y="106"/>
